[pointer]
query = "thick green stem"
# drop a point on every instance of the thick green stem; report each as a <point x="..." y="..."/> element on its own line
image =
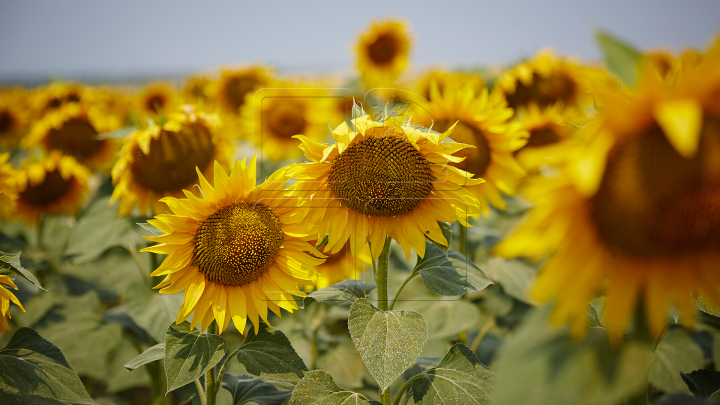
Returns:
<point x="382" y="275"/>
<point x="201" y="392"/>
<point x="385" y="397"/>
<point x="405" y="388"/>
<point x="397" y="294"/>
<point x="210" y="383"/>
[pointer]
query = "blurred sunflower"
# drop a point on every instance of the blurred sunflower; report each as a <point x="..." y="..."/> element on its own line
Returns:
<point x="238" y="251"/>
<point x="55" y="185"/>
<point x="56" y="95"/>
<point x="156" y="98"/>
<point x="235" y="84"/>
<point x="549" y="135"/>
<point x="160" y="160"/>
<point x="384" y="179"/>
<point x="73" y="129"/>
<point x="275" y="115"/>
<point x="442" y="77"/>
<point x="8" y="191"/>
<point x="484" y="121"/>
<point x="5" y="297"/>
<point x="342" y="266"/>
<point x="382" y="52"/>
<point x="196" y="88"/>
<point x="13" y="122"/>
<point x="636" y="213"/>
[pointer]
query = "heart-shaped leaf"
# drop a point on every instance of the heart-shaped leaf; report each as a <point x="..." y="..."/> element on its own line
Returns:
<point x="449" y="275"/>
<point x="318" y="388"/>
<point x="154" y="353"/>
<point x="256" y="390"/>
<point x="389" y="342"/>
<point x="30" y="364"/>
<point x="459" y="379"/>
<point x="270" y="354"/>
<point x="343" y="293"/>
<point x="190" y="353"/>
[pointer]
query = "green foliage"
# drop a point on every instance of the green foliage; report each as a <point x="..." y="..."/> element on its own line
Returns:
<point x="447" y="232"/>
<point x="450" y="274"/>
<point x="318" y="388"/>
<point x="154" y="353"/>
<point x="621" y="58"/>
<point x="388" y="341"/>
<point x="675" y="353"/>
<point x="515" y="276"/>
<point x="189" y="354"/>
<point x="459" y="379"/>
<point x="256" y="391"/>
<point x="10" y="263"/>
<point x="342" y="294"/>
<point x="30" y="364"/>
<point x="269" y="354"/>
<point x="151" y="310"/>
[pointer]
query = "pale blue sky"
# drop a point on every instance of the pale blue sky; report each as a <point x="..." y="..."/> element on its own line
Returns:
<point x="106" y="40"/>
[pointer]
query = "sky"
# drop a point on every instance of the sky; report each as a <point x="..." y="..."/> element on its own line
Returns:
<point x="121" y="40"/>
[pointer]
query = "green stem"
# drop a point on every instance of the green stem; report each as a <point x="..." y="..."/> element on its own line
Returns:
<point x="382" y="275"/>
<point x="405" y="388"/>
<point x="385" y="397"/>
<point x="484" y="331"/>
<point x="210" y="383"/>
<point x="201" y="392"/>
<point x="218" y="381"/>
<point x="397" y="294"/>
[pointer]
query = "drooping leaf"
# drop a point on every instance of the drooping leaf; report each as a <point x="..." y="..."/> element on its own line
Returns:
<point x="449" y="275"/>
<point x="152" y="311"/>
<point x="515" y="277"/>
<point x="190" y="353"/>
<point x="10" y="262"/>
<point x="270" y="354"/>
<point x="318" y="388"/>
<point x="675" y="353"/>
<point x="621" y="58"/>
<point x="388" y="341"/>
<point x="343" y="293"/>
<point x="30" y="364"/>
<point x="447" y="232"/>
<point x="459" y="379"/>
<point x="256" y="390"/>
<point x="154" y="353"/>
<point x="151" y="228"/>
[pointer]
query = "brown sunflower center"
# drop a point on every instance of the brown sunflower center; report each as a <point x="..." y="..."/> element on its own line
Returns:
<point x="156" y="103"/>
<point x="541" y="137"/>
<point x="384" y="49"/>
<point x="7" y="122"/>
<point x="237" y="243"/>
<point x="50" y="190"/>
<point x="237" y="88"/>
<point x="653" y="202"/>
<point x="543" y="91"/>
<point x="477" y="159"/>
<point x="170" y="165"/>
<point x="76" y="137"/>
<point x="286" y="120"/>
<point x="381" y="176"/>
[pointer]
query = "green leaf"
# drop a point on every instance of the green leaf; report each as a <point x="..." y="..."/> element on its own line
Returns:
<point x="459" y="379"/>
<point x="120" y="133"/>
<point x="343" y="293"/>
<point x="702" y="383"/>
<point x="270" y="354"/>
<point x="677" y="352"/>
<point x="154" y="353"/>
<point x="515" y="277"/>
<point x="449" y="275"/>
<point x="447" y="232"/>
<point x="98" y="230"/>
<point x="25" y="399"/>
<point x="714" y="398"/>
<point x="190" y="353"/>
<point x="592" y="317"/>
<point x="11" y="262"/>
<point x="357" y="111"/>
<point x="344" y="364"/>
<point x="444" y="318"/>
<point x="151" y="310"/>
<point x="621" y="58"/>
<point x="257" y="391"/>
<point x="318" y="388"/>
<point x="150" y="228"/>
<point x="706" y="306"/>
<point x="389" y="342"/>
<point x="30" y="364"/>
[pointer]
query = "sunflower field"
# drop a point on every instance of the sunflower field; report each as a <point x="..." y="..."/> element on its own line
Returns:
<point x="543" y="233"/>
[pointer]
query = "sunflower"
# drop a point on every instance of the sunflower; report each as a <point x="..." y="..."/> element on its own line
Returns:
<point x="549" y="135"/>
<point x="342" y="266"/>
<point x="196" y="88"/>
<point x="236" y="84"/>
<point x="238" y="251"/>
<point x="636" y="213"/>
<point x="275" y="115"/>
<point x="56" y="95"/>
<point x="155" y="99"/>
<point x="160" y="160"/>
<point x="484" y="121"/>
<point x="5" y="297"/>
<point x="55" y="185"/>
<point x="8" y="191"/>
<point x="13" y="122"/>
<point x="382" y="52"/>
<point x="442" y="77"/>
<point x="73" y="129"/>
<point x="384" y="179"/>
